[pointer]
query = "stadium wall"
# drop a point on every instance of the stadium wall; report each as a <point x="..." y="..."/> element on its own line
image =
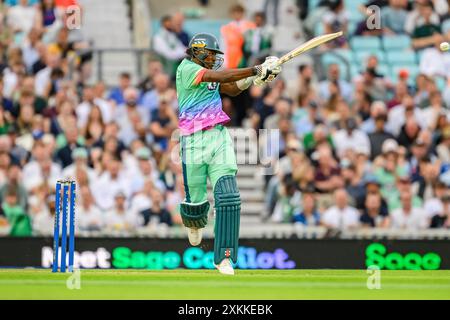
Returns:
<point x="145" y="253"/>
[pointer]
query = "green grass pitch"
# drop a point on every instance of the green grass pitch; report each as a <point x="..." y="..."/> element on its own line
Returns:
<point x="210" y="285"/>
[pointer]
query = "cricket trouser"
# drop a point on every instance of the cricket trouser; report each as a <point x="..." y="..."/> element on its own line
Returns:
<point x="210" y="154"/>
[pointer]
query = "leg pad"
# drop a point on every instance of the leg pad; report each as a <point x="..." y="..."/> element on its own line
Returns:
<point x="228" y="210"/>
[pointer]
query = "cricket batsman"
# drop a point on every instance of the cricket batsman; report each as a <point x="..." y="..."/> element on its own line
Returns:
<point x="206" y="148"/>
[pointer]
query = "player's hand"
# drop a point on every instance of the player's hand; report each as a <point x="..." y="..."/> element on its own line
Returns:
<point x="269" y="71"/>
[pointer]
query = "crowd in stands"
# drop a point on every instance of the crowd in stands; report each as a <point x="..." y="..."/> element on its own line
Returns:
<point x="360" y="152"/>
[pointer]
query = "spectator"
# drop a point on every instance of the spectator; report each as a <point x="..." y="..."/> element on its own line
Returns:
<point x="161" y="91"/>
<point x="334" y="20"/>
<point x="379" y="136"/>
<point x="258" y="40"/>
<point x="116" y="95"/>
<point x="401" y="90"/>
<point x="233" y="36"/>
<point x="394" y="16"/>
<point x="154" y="68"/>
<point x="157" y="213"/>
<point x="343" y="86"/>
<point x="118" y="218"/>
<point x="65" y="153"/>
<point x="350" y="137"/>
<point x="341" y="216"/>
<point x="178" y="25"/>
<point x="308" y="216"/>
<point x="89" y="217"/>
<point x="443" y="148"/>
<point x="373" y="215"/>
<point x="353" y="183"/>
<point x="131" y="118"/>
<point x="434" y="204"/>
<point x="80" y="162"/>
<point x="110" y="183"/>
<point x="442" y="219"/>
<point x="167" y="45"/>
<point x="427" y="30"/>
<point x="21" y="19"/>
<point x="407" y="217"/>
<point x="288" y="202"/>
<point x="17" y="217"/>
<point x="327" y="174"/>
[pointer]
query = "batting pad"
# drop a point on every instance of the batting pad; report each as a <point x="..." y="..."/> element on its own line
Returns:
<point x="194" y="215"/>
<point x="228" y="211"/>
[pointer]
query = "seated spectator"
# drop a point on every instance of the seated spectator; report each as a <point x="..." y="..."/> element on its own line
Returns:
<point x="89" y="217"/>
<point x="341" y="216"/>
<point x="41" y="168"/>
<point x="344" y="87"/>
<point x="44" y="216"/>
<point x="353" y="183"/>
<point x="154" y="67"/>
<point x="434" y="205"/>
<point x="403" y="185"/>
<point x="288" y="200"/>
<point x="442" y="219"/>
<point x="393" y="17"/>
<point x="116" y="95"/>
<point x="426" y="30"/>
<point x="319" y="136"/>
<point x="373" y="84"/>
<point x="80" y="162"/>
<point x="21" y="18"/>
<point x="373" y="214"/>
<point x="327" y="174"/>
<point x="436" y="109"/>
<point x="397" y="116"/>
<point x="443" y="148"/>
<point x="17" y="217"/>
<point x="109" y="184"/>
<point x="407" y="216"/>
<point x="157" y="213"/>
<point x="350" y="137"/>
<point x="118" y="218"/>
<point x="428" y="176"/>
<point x="308" y="215"/>
<point x="161" y="91"/>
<point x="164" y="122"/>
<point x="131" y="118"/>
<point x="401" y="90"/>
<point x="282" y="108"/>
<point x="14" y="182"/>
<point x="334" y="20"/>
<point x="64" y="154"/>
<point x="145" y="171"/>
<point x="379" y="136"/>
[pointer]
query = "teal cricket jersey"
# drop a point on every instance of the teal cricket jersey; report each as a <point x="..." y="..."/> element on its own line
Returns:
<point x="199" y="102"/>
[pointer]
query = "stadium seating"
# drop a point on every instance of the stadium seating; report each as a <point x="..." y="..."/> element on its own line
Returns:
<point x="359" y="43"/>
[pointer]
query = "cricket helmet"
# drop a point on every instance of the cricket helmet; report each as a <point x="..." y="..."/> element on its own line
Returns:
<point x="201" y="46"/>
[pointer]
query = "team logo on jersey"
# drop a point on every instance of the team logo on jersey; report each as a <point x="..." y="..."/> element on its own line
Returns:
<point x="212" y="86"/>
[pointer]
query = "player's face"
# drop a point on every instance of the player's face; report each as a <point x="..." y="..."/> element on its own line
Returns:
<point x="210" y="60"/>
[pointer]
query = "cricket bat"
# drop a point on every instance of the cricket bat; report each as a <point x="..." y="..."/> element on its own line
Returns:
<point x="308" y="45"/>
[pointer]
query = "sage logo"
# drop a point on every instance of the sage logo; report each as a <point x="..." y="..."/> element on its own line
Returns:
<point x="196" y="258"/>
<point x="377" y="255"/>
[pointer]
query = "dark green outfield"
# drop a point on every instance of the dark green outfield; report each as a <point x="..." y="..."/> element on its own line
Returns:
<point x="209" y="284"/>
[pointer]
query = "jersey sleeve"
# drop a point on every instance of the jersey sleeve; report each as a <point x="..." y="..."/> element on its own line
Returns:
<point x="191" y="75"/>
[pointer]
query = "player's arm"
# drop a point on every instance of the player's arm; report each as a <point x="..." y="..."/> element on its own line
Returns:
<point x="229" y="75"/>
<point x="235" y="88"/>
